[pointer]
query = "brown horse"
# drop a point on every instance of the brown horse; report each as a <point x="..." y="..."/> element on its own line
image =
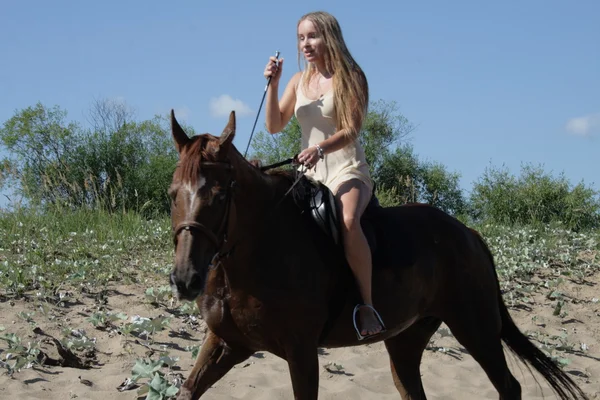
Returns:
<point x="266" y="277"/>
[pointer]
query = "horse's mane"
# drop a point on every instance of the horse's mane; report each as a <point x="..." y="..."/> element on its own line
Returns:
<point x="204" y="147"/>
<point x="198" y="149"/>
<point x="286" y="174"/>
<point x="284" y="179"/>
<point x="289" y="175"/>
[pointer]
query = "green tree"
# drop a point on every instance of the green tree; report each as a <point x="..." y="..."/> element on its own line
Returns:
<point x="272" y="148"/>
<point x="383" y="129"/>
<point x="442" y="188"/>
<point x="117" y="164"/>
<point x="413" y="180"/>
<point x="39" y="142"/>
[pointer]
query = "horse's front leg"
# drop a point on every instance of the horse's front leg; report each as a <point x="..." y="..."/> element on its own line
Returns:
<point x="216" y="358"/>
<point x="303" y="362"/>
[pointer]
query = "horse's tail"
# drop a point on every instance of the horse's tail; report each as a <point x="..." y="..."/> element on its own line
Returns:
<point x="529" y="354"/>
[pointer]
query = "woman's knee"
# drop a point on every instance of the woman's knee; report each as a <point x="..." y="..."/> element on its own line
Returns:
<point x="351" y="222"/>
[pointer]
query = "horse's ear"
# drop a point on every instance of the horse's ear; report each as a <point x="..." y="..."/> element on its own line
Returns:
<point x="229" y="132"/>
<point x="179" y="136"/>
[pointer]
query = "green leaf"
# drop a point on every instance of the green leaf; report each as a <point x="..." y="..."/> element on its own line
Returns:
<point x="157" y="383"/>
<point x="564" y="361"/>
<point x="171" y="391"/>
<point x="160" y="323"/>
<point x="160" y="388"/>
<point x="168" y="361"/>
<point x="145" y="369"/>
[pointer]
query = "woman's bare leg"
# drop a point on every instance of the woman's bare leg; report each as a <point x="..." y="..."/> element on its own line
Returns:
<point x="353" y="197"/>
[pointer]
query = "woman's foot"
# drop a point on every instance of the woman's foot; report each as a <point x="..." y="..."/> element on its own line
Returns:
<point x="370" y="321"/>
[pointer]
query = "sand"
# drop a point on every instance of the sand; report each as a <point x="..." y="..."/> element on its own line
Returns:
<point x="448" y="371"/>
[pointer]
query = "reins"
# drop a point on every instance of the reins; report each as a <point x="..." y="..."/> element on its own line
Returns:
<point x="279" y="164"/>
<point x="299" y="176"/>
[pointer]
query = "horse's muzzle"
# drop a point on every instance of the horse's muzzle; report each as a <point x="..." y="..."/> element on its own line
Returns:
<point x="188" y="288"/>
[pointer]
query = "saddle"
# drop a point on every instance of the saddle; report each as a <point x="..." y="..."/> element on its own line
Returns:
<point x="317" y="201"/>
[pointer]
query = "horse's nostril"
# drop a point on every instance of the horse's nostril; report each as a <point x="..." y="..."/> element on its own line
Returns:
<point x="177" y="284"/>
<point x="187" y="287"/>
<point x="196" y="282"/>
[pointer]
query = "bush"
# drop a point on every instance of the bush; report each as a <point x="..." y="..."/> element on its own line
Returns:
<point x="535" y="197"/>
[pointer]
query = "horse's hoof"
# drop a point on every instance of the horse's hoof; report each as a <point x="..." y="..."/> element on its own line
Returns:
<point x="184" y="394"/>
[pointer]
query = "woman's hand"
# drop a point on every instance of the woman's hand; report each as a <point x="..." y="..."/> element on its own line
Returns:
<point x="273" y="69"/>
<point x="309" y="157"/>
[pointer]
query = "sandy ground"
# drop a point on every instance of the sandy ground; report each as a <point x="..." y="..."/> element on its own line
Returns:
<point x="448" y="371"/>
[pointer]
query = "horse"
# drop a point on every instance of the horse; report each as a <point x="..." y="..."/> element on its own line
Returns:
<point x="267" y="276"/>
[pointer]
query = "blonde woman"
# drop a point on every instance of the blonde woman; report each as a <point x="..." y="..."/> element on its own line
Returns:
<point x="329" y="99"/>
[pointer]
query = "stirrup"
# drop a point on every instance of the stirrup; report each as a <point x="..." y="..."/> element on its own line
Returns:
<point x="358" y="334"/>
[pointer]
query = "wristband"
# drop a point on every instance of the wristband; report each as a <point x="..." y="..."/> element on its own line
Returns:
<point x="320" y="151"/>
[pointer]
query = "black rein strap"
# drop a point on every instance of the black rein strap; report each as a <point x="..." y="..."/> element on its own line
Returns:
<point x="278" y="164"/>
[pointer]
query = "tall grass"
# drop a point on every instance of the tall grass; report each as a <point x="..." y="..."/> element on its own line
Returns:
<point x="44" y="249"/>
<point x="56" y="247"/>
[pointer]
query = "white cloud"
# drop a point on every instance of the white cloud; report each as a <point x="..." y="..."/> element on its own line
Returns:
<point x="221" y="106"/>
<point x="585" y="125"/>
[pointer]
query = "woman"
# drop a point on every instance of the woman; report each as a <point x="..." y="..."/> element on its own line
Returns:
<point x="330" y="99"/>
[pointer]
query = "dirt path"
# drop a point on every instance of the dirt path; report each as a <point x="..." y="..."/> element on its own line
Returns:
<point x="352" y="373"/>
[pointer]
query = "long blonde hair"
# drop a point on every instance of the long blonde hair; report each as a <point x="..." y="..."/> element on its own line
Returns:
<point x="351" y="90"/>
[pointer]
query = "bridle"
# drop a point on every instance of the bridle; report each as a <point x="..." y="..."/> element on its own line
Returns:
<point x="208" y="233"/>
<point x="222" y="231"/>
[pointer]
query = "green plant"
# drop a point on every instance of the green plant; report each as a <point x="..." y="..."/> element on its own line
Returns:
<point x="157" y="387"/>
<point x="534" y="198"/>
<point x="20" y="355"/>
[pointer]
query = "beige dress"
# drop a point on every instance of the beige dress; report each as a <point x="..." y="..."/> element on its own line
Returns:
<point x="317" y="121"/>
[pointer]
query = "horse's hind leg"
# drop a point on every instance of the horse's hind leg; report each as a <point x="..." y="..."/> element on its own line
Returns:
<point x="213" y="362"/>
<point x="476" y="324"/>
<point x="406" y="350"/>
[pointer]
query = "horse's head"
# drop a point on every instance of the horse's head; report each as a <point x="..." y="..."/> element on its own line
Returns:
<point x="200" y="202"/>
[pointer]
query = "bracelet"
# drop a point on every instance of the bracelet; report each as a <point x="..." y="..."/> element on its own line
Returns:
<point x="320" y="151"/>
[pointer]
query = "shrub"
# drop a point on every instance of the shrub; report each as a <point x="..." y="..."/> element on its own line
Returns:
<point x="535" y="197"/>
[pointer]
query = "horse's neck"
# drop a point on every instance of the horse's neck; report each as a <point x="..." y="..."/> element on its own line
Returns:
<point x="254" y="192"/>
<point x="258" y="200"/>
<point x="263" y="229"/>
<point x="256" y="184"/>
<point x="254" y="196"/>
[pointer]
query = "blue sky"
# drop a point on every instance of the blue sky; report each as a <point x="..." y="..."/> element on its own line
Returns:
<point x="487" y="83"/>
